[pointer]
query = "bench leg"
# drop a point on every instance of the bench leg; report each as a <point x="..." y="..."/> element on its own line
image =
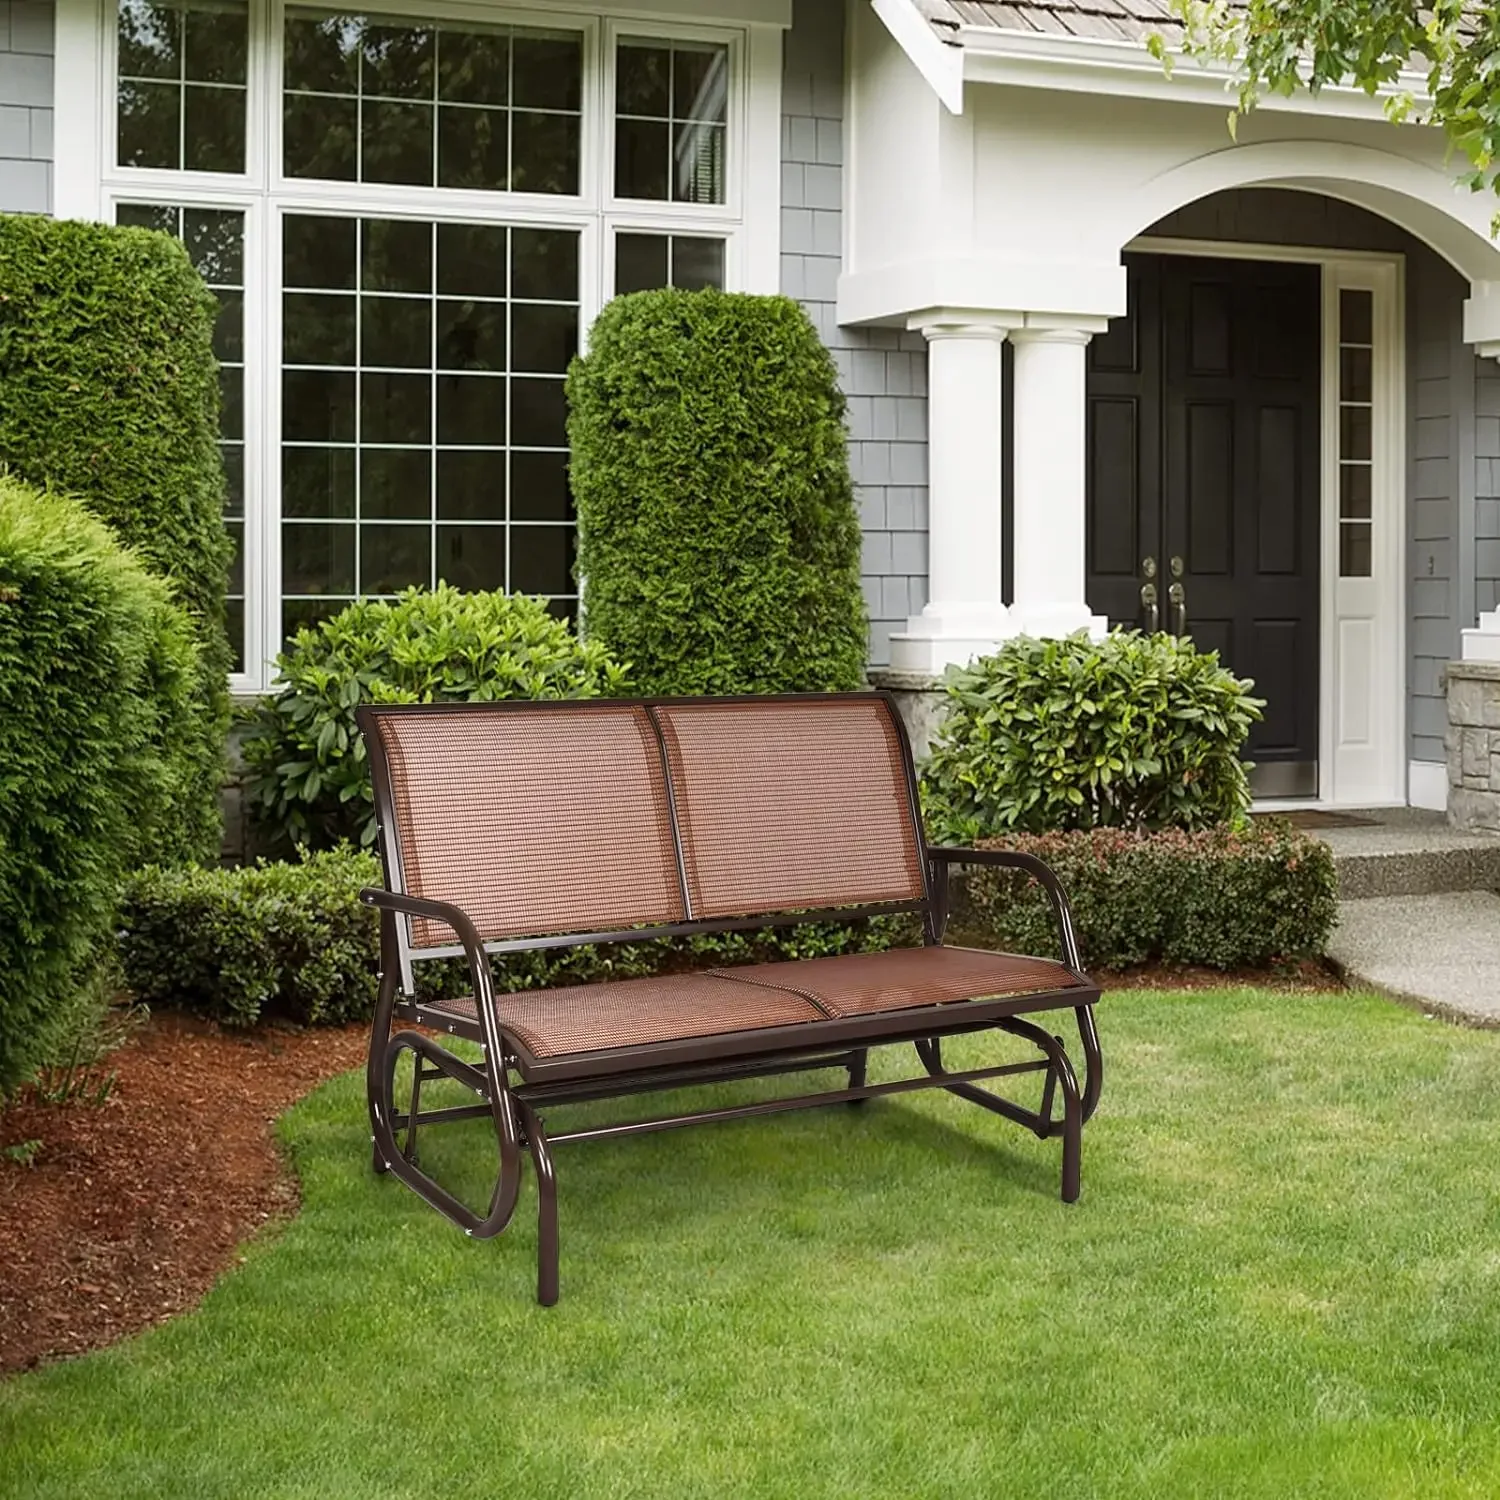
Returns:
<point x="547" y="1290"/>
<point x="376" y="1096"/>
<point x="858" y="1063"/>
<point x="1072" y="1131"/>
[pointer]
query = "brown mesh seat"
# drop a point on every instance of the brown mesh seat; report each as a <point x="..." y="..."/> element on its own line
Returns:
<point x="862" y="984"/>
<point x="639" y="1012"/>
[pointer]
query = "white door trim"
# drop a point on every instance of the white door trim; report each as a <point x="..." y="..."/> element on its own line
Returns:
<point x="1362" y="622"/>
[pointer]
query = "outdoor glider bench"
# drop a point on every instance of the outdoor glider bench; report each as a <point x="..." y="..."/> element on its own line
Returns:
<point x="512" y="827"/>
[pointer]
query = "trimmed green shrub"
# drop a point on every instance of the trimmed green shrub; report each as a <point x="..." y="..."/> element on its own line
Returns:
<point x="229" y="944"/>
<point x="718" y="542"/>
<point x="1220" y="897"/>
<point x="1134" y="731"/>
<point x="109" y="392"/>
<point x="309" y="783"/>
<point x="293" y="940"/>
<point x="97" y="672"/>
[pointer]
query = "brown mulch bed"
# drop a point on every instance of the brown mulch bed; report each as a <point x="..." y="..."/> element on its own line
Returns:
<point x="1309" y="976"/>
<point x="132" y="1209"/>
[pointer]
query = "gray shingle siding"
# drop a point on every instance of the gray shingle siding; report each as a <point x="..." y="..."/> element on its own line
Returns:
<point x="1487" y="484"/>
<point x="1436" y="404"/>
<point x="26" y="46"/>
<point x="883" y="371"/>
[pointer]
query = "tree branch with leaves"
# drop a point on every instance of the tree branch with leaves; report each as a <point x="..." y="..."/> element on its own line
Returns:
<point x="1436" y="63"/>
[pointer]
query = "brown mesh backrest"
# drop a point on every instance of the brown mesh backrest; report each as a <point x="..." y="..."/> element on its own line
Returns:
<point x="535" y="820"/>
<point x="786" y="805"/>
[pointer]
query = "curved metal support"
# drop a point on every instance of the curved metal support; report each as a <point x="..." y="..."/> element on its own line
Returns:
<point x="489" y="1081"/>
<point x="547" y="1288"/>
<point x="1060" y="1075"/>
<point x="1070" y="1127"/>
<point x="1040" y="872"/>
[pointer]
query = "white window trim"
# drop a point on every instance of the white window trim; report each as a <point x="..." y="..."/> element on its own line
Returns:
<point x="88" y="184"/>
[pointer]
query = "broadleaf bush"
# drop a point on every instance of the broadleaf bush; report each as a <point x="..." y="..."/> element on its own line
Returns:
<point x="1222" y="897"/>
<point x="309" y="782"/>
<point x="718" y="542"/>
<point x="98" y="672"/>
<point x="292" y="940"/>
<point x="109" y="392"/>
<point x="1132" y="731"/>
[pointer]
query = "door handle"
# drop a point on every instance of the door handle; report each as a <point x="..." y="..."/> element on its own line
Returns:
<point x="1177" y="597"/>
<point x="1148" y="601"/>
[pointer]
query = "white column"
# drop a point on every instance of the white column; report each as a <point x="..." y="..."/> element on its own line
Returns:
<point x="1050" y="481"/>
<point x="964" y="617"/>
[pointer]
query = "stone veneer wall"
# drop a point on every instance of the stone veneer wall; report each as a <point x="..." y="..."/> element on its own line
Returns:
<point x="1473" y="744"/>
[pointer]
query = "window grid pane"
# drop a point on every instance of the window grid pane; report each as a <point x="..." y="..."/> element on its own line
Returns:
<point x="644" y="262"/>
<point x="215" y="242"/>
<point x="1356" y="432"/>
<point x="182" y="84"/>
<point x="428" y="443"/>
<point x="498" y="109"/>
<point x="671" y="114"/>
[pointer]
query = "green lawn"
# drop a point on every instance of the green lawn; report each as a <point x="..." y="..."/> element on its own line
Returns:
<point x="1283" y="1279"/>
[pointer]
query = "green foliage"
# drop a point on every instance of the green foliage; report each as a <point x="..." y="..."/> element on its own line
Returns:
<point x="97" y="671"/>
<point x="1220" y="897"/>
<point x="293" y="940"/>
<point x="229" y="944"/>
<point x="1133" y="731"/>
<point x="718" y="539"/>
<point x="309" y="782"/>
<point x="1283" y="46"/>
<point x="109" y="392"/>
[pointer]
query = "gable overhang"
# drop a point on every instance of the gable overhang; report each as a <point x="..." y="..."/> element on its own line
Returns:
<point x="938" y="60"/>
<point x="950" y="57"/>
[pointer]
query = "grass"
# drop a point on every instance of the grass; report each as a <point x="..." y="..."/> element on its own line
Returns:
<point x="1283" y="1279"/>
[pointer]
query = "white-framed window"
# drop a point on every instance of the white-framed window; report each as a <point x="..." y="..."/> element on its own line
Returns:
<point x="411" y="214"/>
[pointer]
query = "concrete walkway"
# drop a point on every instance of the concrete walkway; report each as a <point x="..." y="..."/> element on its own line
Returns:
<point x="1419" y="913"/>
<point x="1440" y="952"/>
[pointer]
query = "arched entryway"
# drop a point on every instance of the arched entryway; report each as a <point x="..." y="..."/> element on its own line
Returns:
<point x="1249" y="426"/>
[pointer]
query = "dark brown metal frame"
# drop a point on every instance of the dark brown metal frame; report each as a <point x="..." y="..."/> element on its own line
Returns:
<point x="511" y="1083"/>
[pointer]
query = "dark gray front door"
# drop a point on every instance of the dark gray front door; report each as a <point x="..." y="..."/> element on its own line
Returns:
<point x="1204" y="414"/>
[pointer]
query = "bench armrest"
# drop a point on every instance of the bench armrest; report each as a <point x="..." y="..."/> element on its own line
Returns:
<point x="450" y="916"/>
<point x="1040" y="872"/>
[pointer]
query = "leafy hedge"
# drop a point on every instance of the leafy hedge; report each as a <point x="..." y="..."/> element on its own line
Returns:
<point x="109" y="392"/>
<point x="1134" y="731"/>
<point x="1222" y="898"/>
<point x="293" y="940"/>
<point x="309" y="783"/>
<point x="98" y="669"/>
<point x="718" y="540"/>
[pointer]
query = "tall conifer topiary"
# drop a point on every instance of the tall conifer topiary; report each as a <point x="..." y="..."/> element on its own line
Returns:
<point x="718" y="538"/>
<point x="109" y="392"/>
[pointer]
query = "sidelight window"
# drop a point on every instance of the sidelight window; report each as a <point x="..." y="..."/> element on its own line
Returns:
<point x="1356" y="430"/>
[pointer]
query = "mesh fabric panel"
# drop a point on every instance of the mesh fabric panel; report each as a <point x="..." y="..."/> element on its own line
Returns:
<point x="534" y="820"/>
<point x="637" y="1012"/>
<point x="787" y="805"/>
<point x="860" y="984"/>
